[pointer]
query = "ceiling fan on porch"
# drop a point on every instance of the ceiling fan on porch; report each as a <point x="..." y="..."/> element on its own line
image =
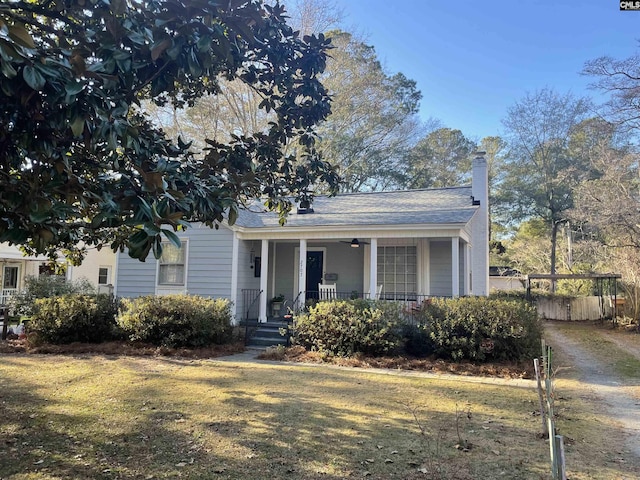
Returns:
<point x="355" y="243"/>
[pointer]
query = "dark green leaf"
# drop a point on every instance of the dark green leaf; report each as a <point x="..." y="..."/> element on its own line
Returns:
<point x="172" y="237"/>
<point x="19" y="34"/>
<point x="73" y="88"/>
<point x="33" y="78"/>
<point x="77" y="126"/>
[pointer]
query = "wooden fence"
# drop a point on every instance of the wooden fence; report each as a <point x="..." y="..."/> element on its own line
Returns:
<point x="582" y="308"/>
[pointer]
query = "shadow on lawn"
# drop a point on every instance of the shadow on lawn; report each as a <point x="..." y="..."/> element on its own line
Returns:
<point x="81" y="443"/>
<point x="370" y="427"/>
<point x="265" y="422"/>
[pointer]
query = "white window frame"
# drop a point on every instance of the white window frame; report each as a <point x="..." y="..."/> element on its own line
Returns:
<point x="108" y="276"/>
<point x="4" y="275"/>
<point x="170" y="288"/>
<point x="7" y="292"/>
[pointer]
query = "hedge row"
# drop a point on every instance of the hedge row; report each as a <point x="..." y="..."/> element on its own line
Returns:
<point x="73" y="318"/>
<point x="172" y="320"/>
<point x="176" y="320"/>
<point x="477" y="329"/>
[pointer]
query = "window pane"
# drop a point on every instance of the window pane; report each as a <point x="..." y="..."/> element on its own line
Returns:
<point x="10" y="277"/>
<point x="172" y="265"/>
<point x="171" y="275"/>
<point x="397" y="270"/>
<point x="172" y="254"/>
<point x="103" y="276"/>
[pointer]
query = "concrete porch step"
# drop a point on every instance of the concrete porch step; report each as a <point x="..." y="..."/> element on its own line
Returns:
<point x="266" y="342"/>
<point x="267" y="334"/>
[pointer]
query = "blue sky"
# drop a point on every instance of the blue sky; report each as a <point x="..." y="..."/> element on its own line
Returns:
<point x="472" y="60"/>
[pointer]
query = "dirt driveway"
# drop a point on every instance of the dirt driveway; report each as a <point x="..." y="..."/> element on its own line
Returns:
<point x="601" y="367"/>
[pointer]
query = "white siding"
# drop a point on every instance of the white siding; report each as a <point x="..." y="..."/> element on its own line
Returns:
<point x="348" y="263"/>
<point x="284" y="269"/>
<point x="246" y="272"/>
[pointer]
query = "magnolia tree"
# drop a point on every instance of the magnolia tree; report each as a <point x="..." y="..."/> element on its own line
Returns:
<point x="80" y="162"/>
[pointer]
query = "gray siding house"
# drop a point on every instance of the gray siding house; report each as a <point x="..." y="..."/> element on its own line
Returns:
<point x="402" y="245"/>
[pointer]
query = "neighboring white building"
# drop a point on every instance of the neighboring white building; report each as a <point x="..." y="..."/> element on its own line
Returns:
<point x="506" y="279"/>
<point x="98" y="268"/>
<point x="404" y="245"/>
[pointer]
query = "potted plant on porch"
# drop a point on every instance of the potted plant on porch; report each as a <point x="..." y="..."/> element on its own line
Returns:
<point x="276" y="305"/>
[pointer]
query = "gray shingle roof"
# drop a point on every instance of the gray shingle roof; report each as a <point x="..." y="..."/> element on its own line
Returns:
<point x="409" y="207"/>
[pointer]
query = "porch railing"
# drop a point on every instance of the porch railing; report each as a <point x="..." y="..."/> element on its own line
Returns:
<point x="410" y="303"/>
<point x="6" y="294"/>
<point x="250" y="309"/>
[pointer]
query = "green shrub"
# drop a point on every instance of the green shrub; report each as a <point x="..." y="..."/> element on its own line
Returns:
<point x="481" y="329"/>
<point x="73" y="318"/>
<point x="346" y="327"/>
<point x="46" y="286"/>
<point x="176" y="320"/>
<point x="417" y="340"/>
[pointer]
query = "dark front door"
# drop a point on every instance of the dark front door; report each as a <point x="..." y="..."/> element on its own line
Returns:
<point x="314" y="273"/>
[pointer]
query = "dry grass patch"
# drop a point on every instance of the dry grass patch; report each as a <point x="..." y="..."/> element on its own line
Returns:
<point x="109" y="417"/>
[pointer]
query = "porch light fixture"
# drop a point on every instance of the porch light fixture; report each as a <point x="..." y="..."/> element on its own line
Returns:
<point x="355" y="243"/>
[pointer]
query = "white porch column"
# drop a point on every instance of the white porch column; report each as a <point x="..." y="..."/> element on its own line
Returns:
<point x="373" y="268"/>
<point x="302" y="274"/>
<point x="264" y="272"/>
<point x="233" y="297"/>
<point x="455" y="266"/>
<point x="467" y="270"/>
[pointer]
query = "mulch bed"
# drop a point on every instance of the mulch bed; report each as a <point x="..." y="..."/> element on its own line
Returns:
<point x="501" y="370"/>
<point x="292" y="354"/>
<point x="120" y="348"/>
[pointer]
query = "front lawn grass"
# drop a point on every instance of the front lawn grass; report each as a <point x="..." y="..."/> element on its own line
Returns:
<point x="118" y="417"/>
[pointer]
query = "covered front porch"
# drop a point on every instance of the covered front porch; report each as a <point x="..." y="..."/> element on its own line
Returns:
<point x="14" y="269"/>
<point x="389" y="266"/>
